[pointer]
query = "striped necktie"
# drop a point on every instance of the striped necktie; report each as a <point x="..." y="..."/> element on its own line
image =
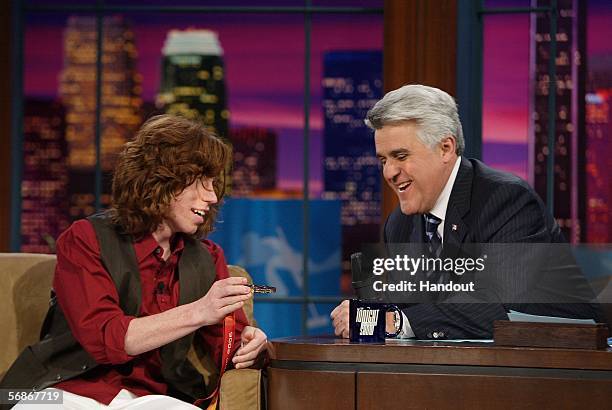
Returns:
<point x="432" y="237"/>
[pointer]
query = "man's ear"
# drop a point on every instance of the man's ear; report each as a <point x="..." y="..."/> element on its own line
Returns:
<point x="448" y="148"/>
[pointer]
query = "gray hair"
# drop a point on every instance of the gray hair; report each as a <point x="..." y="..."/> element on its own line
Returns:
<point x="433" y="110"/>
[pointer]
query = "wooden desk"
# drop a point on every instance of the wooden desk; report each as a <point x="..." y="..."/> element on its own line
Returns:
<point x="330" y="373"/>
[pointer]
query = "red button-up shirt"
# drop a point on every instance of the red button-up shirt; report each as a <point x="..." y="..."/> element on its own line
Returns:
<point x="89" y="299"/>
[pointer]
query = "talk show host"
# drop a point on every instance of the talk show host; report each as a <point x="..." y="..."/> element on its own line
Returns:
<point x="447" y="201"/>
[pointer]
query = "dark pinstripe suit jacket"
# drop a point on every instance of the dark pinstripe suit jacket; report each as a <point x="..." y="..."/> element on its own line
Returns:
<point x="485" y="206"/>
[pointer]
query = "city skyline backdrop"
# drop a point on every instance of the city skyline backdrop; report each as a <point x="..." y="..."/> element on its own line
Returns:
<point x="253" y="102"/>
<point x="249" y="66"/>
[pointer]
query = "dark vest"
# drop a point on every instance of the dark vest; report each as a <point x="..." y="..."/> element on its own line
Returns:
<point x="58" y="356"/>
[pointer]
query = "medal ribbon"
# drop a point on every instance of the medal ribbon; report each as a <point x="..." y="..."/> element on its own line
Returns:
<point x="229" y="328"/>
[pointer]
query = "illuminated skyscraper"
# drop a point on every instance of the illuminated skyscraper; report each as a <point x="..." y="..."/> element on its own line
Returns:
<point x="254" y="169"/>
<point x="121" y="89"/>
<point x="569" y="176"/>
<point x="121" y="101"/>
<point x="598" y="166"/>
<point x="352" y="84"/>
<point x="599" y="150"/>
<point x="45" y="176"/>
<point x="193" y="78"/>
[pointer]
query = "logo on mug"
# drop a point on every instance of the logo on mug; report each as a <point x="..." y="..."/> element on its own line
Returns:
<point x="368" y="319"/>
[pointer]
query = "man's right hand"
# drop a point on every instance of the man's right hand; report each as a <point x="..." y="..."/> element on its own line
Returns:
<point x="150" y="332"/>
<point x="223" y="297"/>
<point x="340" y="319"/>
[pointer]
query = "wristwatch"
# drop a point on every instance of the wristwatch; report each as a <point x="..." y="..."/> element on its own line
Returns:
<point x="398" y="323"/>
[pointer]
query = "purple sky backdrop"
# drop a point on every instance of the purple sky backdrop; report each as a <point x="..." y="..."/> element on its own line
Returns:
<point x="505" y="105"/>
<point x="258" y="49"/>
<point x="506" y="79"/>
<point x="264" y="61"/>
<point x="335" y="3"/>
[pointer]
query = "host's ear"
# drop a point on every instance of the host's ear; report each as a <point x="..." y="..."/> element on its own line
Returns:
<point x="448" y="148"/>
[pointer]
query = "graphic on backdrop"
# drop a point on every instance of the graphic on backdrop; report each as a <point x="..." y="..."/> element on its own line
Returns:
<point x="266" y="238"/>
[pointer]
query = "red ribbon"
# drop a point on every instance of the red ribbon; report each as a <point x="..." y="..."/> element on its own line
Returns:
<point x="229" y="334"/>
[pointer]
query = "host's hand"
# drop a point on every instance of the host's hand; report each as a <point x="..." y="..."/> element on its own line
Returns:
<point x="340" y="319"/>
<point x="254" y="342"/>
<point x="223" y="297"/>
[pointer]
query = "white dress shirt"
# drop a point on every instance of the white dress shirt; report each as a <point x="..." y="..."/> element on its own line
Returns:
<point x="439" y="211"/>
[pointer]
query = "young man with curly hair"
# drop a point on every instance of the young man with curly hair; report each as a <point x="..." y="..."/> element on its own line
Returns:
<point x="138" y="286"/>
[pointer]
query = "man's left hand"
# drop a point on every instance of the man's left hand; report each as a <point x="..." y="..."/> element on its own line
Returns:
<point x="254" y="343"/>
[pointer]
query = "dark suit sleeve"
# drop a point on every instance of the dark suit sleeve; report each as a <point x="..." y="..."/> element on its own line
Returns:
<point x="514" y="214"/>
<point x="533" y="272"/>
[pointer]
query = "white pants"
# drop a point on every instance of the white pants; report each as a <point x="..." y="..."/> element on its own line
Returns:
<point x="123" y="400"/>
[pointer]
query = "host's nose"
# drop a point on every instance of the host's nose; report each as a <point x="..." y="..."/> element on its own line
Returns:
<point x="391" y="171"/>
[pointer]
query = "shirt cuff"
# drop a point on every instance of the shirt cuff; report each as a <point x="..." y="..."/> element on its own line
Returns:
<point x="114" y="340"/>
<point x="406" y="331"/>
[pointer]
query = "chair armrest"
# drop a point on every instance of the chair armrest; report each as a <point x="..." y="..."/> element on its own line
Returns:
<point x="241" y="389"/>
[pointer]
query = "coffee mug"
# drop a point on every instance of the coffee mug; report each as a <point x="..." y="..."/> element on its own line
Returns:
<point x="368" y="321"/>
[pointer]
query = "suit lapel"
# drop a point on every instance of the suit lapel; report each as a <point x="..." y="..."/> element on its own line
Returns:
<point x="417" y="234"/>
<point x="401" y="229"/>
<point x="455" y="228"/>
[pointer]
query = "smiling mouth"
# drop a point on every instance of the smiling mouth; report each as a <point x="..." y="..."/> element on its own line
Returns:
<point x="403" y="186"/>
<point x="198" y="212"/>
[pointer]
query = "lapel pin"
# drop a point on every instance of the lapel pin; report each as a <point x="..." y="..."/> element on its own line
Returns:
<point x="454" y="227"/>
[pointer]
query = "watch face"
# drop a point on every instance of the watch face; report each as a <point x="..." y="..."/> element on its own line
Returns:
<point x="400" y="323"/>
<point x="397" y="321"/>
